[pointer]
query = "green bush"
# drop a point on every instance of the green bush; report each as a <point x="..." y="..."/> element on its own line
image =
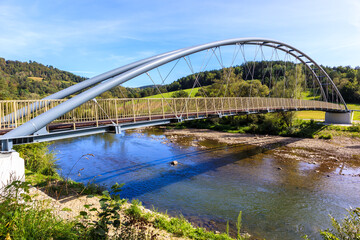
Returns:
<point x="326" y="136"/>
<point x="38" y="158"/>
<point x="23" y="218"/>
<point x="354" y="128"/>
<point x="349" y="228"/>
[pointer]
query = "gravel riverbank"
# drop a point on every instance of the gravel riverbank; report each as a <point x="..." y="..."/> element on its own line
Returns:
<point x="337" y="150"/>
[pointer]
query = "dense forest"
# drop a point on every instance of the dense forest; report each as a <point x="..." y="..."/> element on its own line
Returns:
<point x="32" y="80"/>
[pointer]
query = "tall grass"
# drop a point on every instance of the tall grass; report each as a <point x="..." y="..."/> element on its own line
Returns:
<point x="23" y="218"/>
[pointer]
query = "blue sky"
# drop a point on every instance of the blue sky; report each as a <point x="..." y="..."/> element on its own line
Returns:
<point x="88" y="37"/>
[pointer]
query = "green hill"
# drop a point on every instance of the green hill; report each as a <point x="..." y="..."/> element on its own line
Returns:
<point x="32" y="80"/>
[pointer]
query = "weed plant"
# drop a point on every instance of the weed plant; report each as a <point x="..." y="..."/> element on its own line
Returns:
<point x="348" y="228"/>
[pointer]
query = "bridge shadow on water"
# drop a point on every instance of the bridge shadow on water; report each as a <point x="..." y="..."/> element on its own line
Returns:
<point x="174" y="174"/>
<point x="122" y="171"/>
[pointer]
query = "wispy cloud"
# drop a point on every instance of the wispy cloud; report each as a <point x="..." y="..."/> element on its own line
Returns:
<point x="96" y="37"/>
<point x="20" y="33"/>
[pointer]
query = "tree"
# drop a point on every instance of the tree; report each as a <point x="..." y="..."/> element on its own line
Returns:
<point x="251" y="88"/>
<point x="180" y="94"/>
<point x="291" y="86"/>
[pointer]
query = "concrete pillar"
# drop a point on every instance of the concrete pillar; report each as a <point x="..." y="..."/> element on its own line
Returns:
<point x="338" y="118"/>
<point x="12" y="167"/>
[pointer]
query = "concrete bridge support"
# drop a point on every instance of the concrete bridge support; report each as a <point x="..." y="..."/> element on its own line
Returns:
<point x="12" y="167"/>
<point x="338" y="118"/>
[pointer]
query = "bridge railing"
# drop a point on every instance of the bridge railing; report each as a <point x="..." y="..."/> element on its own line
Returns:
<point x="13" y="113"/>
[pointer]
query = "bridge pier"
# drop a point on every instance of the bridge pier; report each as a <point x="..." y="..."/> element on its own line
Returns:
<point x="12" y="167"/>
<point x="338" y="118"/>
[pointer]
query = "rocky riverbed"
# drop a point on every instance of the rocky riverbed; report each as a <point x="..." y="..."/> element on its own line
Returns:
<point x="333" y="153"/>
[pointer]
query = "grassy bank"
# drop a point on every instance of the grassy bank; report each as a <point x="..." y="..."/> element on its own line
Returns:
<point x="23" y="217"/>
<point x="113" y="218"/>
<point x="41" y="171"/>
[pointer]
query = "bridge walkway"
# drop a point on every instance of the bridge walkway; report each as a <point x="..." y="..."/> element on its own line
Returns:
<point x="102" y="112"/>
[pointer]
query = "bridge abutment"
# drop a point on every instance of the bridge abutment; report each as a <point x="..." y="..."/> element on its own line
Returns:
<point x="12" y="167"/>
<point x="338" y="118"/>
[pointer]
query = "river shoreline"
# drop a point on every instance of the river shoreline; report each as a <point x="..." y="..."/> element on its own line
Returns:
<point x="335" y="152"/>
<point x="69" y="208"/>
<point x="310" y="169"/>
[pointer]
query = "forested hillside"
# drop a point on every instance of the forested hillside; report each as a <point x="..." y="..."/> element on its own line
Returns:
<point x="32" y="80"/>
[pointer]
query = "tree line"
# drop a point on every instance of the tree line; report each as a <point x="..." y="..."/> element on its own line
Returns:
<point x="32" y="80"/>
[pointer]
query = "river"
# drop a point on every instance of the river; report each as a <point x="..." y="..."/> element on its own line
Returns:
<point x="279" y="198"/>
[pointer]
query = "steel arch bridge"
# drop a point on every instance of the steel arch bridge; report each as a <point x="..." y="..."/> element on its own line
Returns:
<point x="54" y="117"/>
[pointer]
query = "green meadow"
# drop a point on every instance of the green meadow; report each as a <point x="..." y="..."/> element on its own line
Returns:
<point x="169" y="94"/>
<point x="319" y="115"/>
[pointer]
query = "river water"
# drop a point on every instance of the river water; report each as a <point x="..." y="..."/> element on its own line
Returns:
<point x="279" y="198"/>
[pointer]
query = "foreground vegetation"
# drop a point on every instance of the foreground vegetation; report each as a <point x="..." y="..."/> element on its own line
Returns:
<point x="346" y="229"/>
<point x="24" y="218"/>
<point x="21" y="218"/>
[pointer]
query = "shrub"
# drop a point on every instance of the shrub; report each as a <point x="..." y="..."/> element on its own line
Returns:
<point x="349" y="228"/>
<point x="354" y="128"/>
<point x="326" y="136"/>
<point x="38" y="158"/>
<point x="109" y="216"/>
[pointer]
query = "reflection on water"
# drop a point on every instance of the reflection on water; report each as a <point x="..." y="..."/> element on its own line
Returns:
<point x="279" y="199"/>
